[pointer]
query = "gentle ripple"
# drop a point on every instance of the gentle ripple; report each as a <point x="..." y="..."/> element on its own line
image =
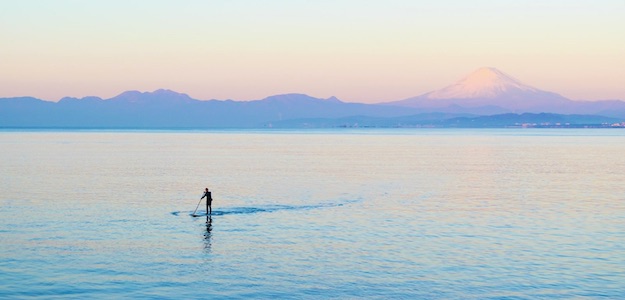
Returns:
<point x="412" y="214"/>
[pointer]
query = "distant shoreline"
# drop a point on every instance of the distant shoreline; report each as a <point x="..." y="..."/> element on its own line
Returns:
<point x="278" y="129"/>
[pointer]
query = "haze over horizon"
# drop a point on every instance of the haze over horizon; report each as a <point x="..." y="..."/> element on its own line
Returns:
<point x="358" y="51"/>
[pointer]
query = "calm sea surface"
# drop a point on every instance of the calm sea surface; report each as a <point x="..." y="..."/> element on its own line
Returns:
<point x="383" y="214"/>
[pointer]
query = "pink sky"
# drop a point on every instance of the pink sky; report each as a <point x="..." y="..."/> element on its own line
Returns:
<point x="359" y="51"/>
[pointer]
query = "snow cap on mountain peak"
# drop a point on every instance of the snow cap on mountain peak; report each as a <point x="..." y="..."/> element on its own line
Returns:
<point x="483" y="83"/>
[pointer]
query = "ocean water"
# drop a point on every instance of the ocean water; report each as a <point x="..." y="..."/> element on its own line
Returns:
<point x="341" y="214"/>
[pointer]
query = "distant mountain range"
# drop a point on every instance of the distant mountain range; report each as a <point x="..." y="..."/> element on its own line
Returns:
<point x="486" y="98"/>
<point x="168" y="109"/>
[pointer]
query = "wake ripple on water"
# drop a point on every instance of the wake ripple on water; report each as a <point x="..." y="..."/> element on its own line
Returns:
<point x="239" y="210"/>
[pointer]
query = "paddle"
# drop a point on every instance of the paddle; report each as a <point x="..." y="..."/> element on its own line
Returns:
<point x="198" y="205"/>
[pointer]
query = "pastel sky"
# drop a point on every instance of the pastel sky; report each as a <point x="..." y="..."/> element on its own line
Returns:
<point x="356" y="50"/>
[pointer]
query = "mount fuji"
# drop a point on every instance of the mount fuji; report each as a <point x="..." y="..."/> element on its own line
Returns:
<point x="490" y="91"/>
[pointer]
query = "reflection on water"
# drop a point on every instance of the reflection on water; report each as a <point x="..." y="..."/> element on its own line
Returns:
<point x="207" y="234"/>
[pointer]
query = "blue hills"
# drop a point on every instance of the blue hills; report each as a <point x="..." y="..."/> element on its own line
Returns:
<point x="169" y="109"/>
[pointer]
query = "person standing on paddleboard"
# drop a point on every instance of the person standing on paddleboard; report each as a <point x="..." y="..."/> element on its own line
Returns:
<point x="209" y="201"/>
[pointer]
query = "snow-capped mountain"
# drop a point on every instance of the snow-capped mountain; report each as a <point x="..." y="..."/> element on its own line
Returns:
<point x="483" y="83"/>
<point x="492" y="90"/>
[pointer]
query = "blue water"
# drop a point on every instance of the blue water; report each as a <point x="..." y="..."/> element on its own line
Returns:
<point x="382" y="214"/>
